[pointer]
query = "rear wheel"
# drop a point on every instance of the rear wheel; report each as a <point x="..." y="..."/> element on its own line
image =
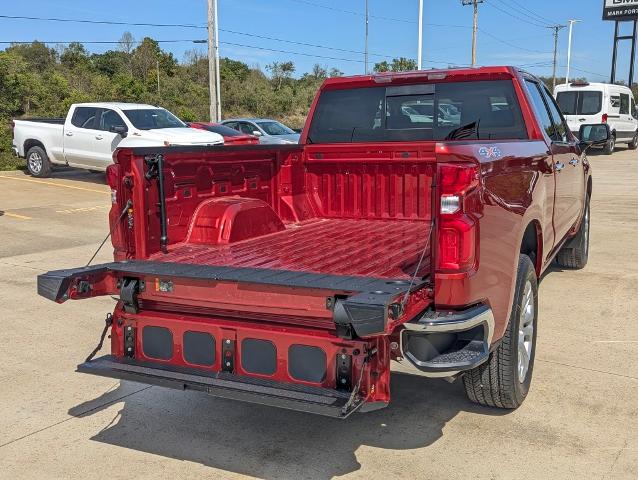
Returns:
<point x="633" y="145"/>
<point x="610" y="146"/>
<point x="576" y="253"/>
<point x="38" y="162"/>
<point x="504" y="380"/>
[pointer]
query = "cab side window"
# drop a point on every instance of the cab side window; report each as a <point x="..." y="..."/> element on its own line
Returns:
<point x="84" y="117"/>
<point x="247" y="128"/>
<point x="560" y="127"/>
<point x="540" y="108"/>
<point x="110" y="119"/>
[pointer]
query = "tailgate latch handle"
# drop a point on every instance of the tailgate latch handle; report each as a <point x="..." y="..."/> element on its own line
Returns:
<point x="129" y="289"/>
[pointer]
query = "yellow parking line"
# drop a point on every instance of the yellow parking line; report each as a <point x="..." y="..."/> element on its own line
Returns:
<point x="15" y="215"/>
<point x="55" y="184"/>
<point x="84" y="209"/>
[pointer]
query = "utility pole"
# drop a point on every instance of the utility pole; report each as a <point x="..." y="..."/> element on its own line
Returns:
<point x="366" y="46"/>
<point x="569" y="48"/>
<point x="213" y="62"/>
<point x="475" y="3"/>
<point x="420" y="49"/>
<point x="556" y="28"/>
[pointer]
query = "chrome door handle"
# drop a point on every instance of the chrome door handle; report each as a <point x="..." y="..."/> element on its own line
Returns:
<point x="69" y="134"/>
<point x="573" y="162"/>
<point x="559" y="166"/>
<point x="99" y="137"/>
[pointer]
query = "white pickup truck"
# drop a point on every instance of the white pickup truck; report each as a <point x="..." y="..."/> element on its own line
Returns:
<point x="91" y="132"/>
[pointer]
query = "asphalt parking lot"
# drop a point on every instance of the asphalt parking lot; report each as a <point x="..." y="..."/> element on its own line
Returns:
<point x="580" y="420"/>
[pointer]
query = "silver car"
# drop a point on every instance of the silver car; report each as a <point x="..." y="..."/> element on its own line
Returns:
<point x="270" y="132"/>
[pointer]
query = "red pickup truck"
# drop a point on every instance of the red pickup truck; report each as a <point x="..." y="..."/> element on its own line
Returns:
<point x="411" y="224"/>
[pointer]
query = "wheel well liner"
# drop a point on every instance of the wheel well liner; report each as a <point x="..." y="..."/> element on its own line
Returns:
<point x="30" y="143"/>
<point x="532" y="244"/>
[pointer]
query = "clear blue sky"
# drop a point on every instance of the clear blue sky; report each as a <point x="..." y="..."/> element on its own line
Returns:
<point x="339" y="24"/>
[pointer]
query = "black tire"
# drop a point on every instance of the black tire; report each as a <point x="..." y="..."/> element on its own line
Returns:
<point x="38" y="163"/>
<point x="633" y="145"/>
<point x="497" y="382"/>
<point x="610" y="146"/>
<point x="575" y="254"/>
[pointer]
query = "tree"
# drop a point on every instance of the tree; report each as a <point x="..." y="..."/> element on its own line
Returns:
<point x="127" y="42"/>
<point x="280" y="72"/>
<point x="382" y="66"/>
<point x="75" y="56"/>
<point x="400" y="64"/>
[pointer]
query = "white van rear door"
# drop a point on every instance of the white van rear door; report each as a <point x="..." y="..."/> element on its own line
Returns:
<point x="581" y="107"/>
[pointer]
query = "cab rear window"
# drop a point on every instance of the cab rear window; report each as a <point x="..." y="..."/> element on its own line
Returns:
<point x="485" y="110"/>
<point x="580" y="102"/>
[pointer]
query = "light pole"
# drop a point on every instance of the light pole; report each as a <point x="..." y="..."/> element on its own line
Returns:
<point x="569" y="48"/>
<point x="366" y="45"/>
<point x="420" y="49"/>
<point x="213" y="62"/>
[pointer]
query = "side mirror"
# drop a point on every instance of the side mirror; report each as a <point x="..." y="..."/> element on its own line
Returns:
<point x="257" y="133"/>
<point x="121" y="130"/>
<point x="598" y="134"/>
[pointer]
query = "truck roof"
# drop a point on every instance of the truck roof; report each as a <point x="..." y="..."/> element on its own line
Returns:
<point x="420" y="75"/>
<point x="591" y="85"/>
<point x="120" y="105"/>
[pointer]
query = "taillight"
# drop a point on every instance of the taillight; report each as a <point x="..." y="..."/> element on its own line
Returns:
<point x="113" y="180"/>
<point x="457" y="226"/>
<point x="605" y="118"/>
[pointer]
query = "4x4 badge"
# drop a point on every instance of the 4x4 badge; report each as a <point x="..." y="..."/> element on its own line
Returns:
<point x="490" y="152"/>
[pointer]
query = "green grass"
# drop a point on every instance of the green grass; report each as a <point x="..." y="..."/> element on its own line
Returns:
<point x="8" y="161"/>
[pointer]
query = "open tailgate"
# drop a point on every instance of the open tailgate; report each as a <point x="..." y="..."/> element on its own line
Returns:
<point x="354" y="305"/>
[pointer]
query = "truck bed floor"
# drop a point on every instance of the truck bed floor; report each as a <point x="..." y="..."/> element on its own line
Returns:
<point x="379" y="248"/>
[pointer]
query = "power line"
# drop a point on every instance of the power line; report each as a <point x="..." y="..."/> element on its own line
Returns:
<point x="520" y="6"/>
<point x="103" y="22"/>
<point x="351" y="12"/>
<point x="505" y="42"/>
<point x="96" y="42"/>
<point x="264" y="37"/>
<point x="506" y="12"/>
<point x="305" y="44"/>
<point x="293" y="42"/>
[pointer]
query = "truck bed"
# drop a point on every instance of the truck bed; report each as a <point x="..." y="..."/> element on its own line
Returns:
<point x="375" y="248"/>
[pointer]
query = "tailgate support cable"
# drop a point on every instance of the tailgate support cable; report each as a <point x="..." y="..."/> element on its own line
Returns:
<point x="355" y="391"/>
<point x="406" y="297"/>
<point x="128" y="205"/>
<point x="108" y="322"/>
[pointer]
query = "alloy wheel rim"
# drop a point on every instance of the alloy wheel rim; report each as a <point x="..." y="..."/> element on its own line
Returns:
<point x="35" y="162"/>
<point x="526" y="332"/>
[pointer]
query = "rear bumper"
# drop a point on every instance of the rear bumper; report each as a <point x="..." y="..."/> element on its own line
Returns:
<point x="443" y="344"/>
<point x="317" y="400"/>
<point x="15" y="150"/>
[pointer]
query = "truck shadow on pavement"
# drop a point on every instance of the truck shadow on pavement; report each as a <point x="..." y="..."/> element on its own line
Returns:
<point x="272" y="443"/>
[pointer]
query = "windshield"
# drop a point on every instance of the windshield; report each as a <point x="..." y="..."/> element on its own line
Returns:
<point x="580" y="102"/>
<point x="153" y="118"/>
<point x="275" y="128"/>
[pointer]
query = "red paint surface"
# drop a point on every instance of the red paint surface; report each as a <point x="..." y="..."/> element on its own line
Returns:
<point x="352" y="209"/>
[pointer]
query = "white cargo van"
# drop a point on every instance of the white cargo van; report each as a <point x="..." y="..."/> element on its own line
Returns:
<point x="588" y="103"/>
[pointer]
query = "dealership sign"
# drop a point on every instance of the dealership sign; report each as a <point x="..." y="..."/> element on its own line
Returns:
<point x="620" y="10"/>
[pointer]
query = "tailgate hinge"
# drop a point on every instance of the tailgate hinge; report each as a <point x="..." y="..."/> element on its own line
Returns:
<point x="129" y="288"/>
